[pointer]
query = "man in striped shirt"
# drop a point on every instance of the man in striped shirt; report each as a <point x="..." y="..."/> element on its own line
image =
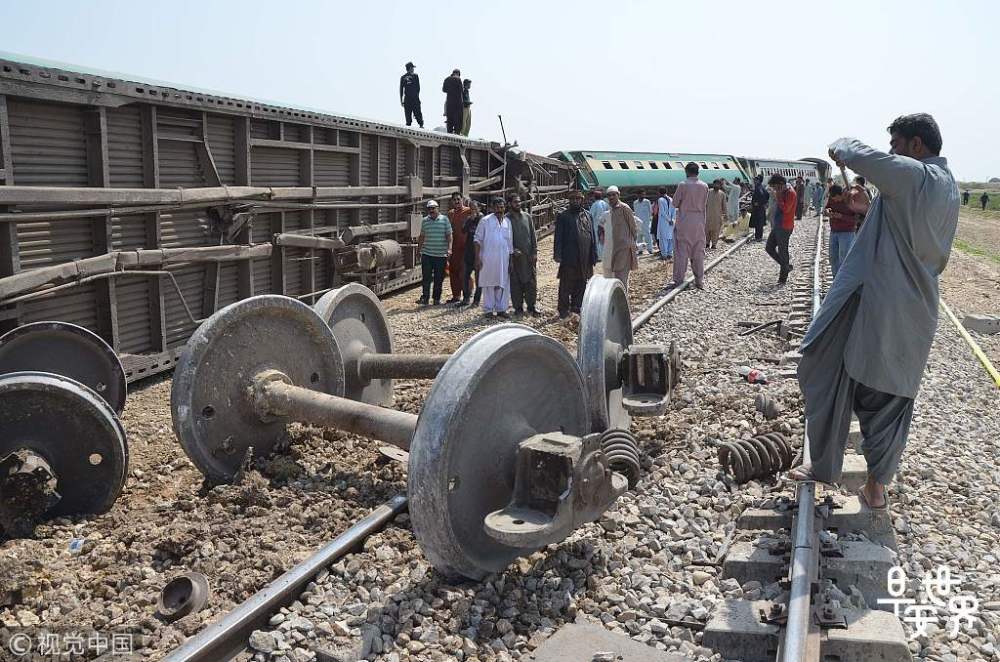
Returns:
<point x="435" y="249"/>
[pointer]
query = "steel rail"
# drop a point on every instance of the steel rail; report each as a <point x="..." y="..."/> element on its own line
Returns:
<point x="647" y="314"/>
<point x="795" y="645"/>
<point x="228" y="637"/>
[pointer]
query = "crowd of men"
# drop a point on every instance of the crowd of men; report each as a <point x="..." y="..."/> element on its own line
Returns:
<point x="457" y="100"/>
<point x="498" y="251"/>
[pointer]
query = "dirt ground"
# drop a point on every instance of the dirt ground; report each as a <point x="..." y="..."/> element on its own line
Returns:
<point x="971" y="282"/>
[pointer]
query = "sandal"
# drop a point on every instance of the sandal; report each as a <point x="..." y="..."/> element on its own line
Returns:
<point x="805" y="476"/>
<point x="875" y="509"/>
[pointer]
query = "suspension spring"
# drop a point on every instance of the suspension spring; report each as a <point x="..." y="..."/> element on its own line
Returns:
<point x="622" y="450"/>
<point x="762" y="456"/>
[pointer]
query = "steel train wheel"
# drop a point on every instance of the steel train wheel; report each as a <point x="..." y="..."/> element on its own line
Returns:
<point x="357" y="319"/>
<point x="69" y="350"/>
<point x="213" y="415"/>
<point x="501" y="387"/>
<point x="605" y="333"/>
<point x="73" y="429"/>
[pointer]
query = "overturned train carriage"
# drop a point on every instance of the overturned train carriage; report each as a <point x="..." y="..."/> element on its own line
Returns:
<point x="136" y="209"/>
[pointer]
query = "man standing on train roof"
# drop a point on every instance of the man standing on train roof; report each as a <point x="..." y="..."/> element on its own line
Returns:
<point x="597" y="211"/>
<point x="452" y="89"/>
<point x="758" y="207"/>
<point x="867" y="348"/>
<point x="665" y="211"/>
<point x="524" y="261"/>
<point x="620" y="231"/>
<point x="690" y="200"/>
<point x="575" y="253"/>
<point x="643" y="210"/>
<point x="466" y="107"/>
<point x="435" y="249"/>
<point x="800" y="197"/>
<point x="494" y="243"/>
<point x="456" y="263"/>
<point x="782" y="225"/>
<point x="715" y="214"/>
<point x="409" y="96"/>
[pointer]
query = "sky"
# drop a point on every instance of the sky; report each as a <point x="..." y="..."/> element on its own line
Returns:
<point x="755" y="78"/>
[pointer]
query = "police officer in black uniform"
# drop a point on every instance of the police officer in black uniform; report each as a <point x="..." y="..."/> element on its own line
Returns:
<point x="409" y="96"/>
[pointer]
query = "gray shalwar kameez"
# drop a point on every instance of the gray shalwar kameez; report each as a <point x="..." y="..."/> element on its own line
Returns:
<point x="868" y="346"/>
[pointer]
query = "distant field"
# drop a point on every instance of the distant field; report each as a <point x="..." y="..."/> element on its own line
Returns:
<point x="976" y="189"/>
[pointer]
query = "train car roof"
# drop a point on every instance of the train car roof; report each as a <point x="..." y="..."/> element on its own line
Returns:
<point x="89" y="80"/>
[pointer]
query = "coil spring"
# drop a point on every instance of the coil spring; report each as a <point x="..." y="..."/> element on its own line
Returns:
<point x="622" y="451"/>
<point x="759" y="457"/>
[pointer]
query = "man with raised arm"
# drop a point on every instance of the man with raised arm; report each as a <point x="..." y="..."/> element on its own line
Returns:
<point x="867" y="347"/>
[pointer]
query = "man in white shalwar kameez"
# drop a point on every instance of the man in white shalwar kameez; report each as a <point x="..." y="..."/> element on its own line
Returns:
<point x="733" y="192"/>
<point x="494" y="244"/>
<point x="867" y="348"/>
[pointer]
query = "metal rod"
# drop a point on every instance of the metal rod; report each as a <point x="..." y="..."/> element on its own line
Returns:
<point x="793" y="648"/>
<point x="400" y="366"/>
<point x="279" y="398"/>
<point x="227" y="638"/>
<point x="647" y="314"/>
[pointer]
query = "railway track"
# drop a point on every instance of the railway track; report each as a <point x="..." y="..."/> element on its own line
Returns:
<point x="831" y="553"/>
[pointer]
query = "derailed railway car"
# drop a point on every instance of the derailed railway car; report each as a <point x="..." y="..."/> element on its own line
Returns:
<point x="648" y="170"/>
<point x="811" y="169"/>
<point x="136" y="208"/>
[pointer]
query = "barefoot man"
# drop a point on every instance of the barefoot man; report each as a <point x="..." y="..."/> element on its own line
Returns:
<point x="867" y="348"/>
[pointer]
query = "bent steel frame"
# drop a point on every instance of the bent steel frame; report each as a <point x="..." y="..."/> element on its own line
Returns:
<point x="136" y="209"/>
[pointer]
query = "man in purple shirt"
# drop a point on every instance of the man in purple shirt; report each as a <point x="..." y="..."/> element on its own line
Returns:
<point x="690" y="200"/>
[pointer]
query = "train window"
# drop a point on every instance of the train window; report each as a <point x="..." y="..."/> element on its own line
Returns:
<point x="666" y="164"/>
<point x="704" y="165"/>
<point x="725" y="166"/>
<point x="638" y="165"/>
<point x="607" y="165"/>
<point x="623" y="165"/>
<point x="652" y="164"/>
<point x="715" y="165"/>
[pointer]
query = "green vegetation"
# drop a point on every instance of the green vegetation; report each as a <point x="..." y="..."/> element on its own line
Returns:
<point x="976" y="189"/>
<point x="978" y="251"/>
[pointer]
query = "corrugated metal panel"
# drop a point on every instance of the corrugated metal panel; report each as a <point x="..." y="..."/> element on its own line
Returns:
<point x="324" y="136"/>
<point x="296" y="133"/>
<point x="173" y="122"/>
<point x="449" y="157"/>
<point x="261" y="275"/>
<point x="221" y="140"/>
<point x="267" y="129"/>
<point x="76" y="306"/>
<point x="46" y="243"/>
<point x="229" y="290"/>
<point x="331" y="169"/>
<point x="179" y="165"/>
<point x="426" y="165"/>
<point x="128" y="232"/>
<point x="296" y="220"/>
<point x="191" y="280"/>
<point x="134" y="327"/>
<point x="324" y="269"/>
<point x="349" y="138"/>
<point x="296" y="265"/>
<point x="125" y="147"/>
<point x="48" y="143"/>
<point x="186" y="228"/>
<point x="272" y="166"/>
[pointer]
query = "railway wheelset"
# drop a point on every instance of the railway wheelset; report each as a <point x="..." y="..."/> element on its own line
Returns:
<point x="63" y="449"/>
<point x="517" y="444"/>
